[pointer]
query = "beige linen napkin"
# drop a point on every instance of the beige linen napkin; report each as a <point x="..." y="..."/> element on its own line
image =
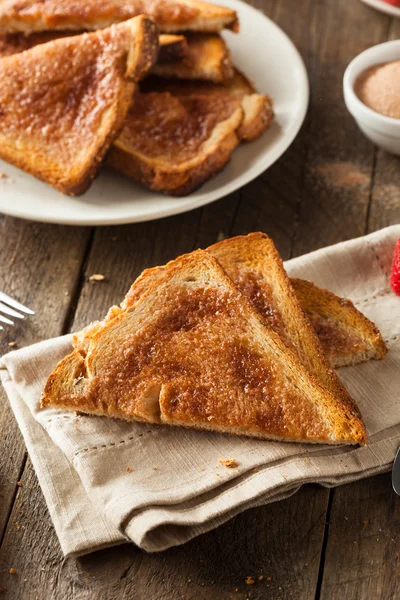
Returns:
<point x="106" y="481"/>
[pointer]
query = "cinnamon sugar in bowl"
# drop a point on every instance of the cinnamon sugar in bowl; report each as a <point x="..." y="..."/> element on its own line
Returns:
<point x="379" y="88"/>
<point x="371" y="87"/>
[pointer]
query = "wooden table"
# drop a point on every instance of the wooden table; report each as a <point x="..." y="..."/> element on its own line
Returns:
<point x="331" y="185"/>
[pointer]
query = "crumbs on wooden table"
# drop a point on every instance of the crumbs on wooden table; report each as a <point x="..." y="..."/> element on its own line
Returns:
<point x="96" y="277"/>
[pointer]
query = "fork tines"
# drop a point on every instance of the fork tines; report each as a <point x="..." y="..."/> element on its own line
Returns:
<point x="10" y="307"/>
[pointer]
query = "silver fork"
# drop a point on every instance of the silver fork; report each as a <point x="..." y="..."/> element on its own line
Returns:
<point x="10" y="307"/>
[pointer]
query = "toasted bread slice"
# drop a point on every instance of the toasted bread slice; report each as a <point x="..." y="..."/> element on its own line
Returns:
<point x="345" y="334"/>
<point x="194" y="352"/>
<point x="254" y="265"/>
<point x="29" y="16"/>
<point x="173" y="144"/>
<point x="207" y="57"/>
<point x="64" y="102"/>
<point x="257" y="108"/>
<point x="171" y="47"/>
<point x="179" y="134"/>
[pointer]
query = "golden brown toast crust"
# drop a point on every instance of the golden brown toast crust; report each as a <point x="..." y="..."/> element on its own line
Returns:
<point x="171" y="47"/>
<point x="64" y="102"/>
<point x="346" y="335"/>
<point x="202" y="357"/>
<point x="173" y="145"/>
<point x="207" y="57"/>
<point x="29" y="16"/>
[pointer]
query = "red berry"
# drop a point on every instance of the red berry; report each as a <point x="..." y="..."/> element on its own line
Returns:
<point x="393" y="2"/>
<point x="395" y="279"/>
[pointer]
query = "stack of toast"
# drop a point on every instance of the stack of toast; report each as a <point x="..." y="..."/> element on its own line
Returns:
<point x="71" y="96"/>
<point x="221" y="339"/>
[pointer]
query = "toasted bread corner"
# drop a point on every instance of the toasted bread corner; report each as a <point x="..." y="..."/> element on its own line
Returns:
<point x="347" y="336"/>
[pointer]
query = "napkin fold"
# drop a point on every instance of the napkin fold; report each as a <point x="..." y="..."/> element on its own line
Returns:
<point x="106" y="481"/>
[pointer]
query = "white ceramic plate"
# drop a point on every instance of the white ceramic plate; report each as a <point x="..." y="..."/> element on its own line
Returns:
<point x="394" y="11"/>
<point x="268" y="58"/>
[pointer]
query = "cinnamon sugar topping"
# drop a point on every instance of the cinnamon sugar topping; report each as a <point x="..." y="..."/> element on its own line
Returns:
<point x="379" y="88"/>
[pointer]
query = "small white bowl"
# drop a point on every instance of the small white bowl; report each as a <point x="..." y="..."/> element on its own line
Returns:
<point x="381" y="130"/>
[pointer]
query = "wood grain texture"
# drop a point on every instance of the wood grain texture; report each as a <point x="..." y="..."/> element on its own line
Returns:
<point x="30" y="546"/>
<point x="339" y="165"/>
<point x="362" y="555"/>
<point x="40" y="267"/>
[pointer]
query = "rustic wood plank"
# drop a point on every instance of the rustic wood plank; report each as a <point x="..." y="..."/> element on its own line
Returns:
<point x="340" y="160"/>
<point x="362" y="558"/>
<point x="40" y="267"/>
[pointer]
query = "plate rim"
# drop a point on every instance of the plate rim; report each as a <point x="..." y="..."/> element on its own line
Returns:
<point x="237" y="183"/>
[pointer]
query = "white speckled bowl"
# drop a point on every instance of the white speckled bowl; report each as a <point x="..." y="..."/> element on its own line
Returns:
<point x="382" y="131"/>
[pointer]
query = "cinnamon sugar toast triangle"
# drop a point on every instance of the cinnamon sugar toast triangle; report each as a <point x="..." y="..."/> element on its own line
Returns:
<point x="193" y="351"/>
<point x="63" y="103"/>
<point x="29" y="16"/>
<point x="345" y="335"/>
<point x="173" y="145"/>
<point x="178" y="134"/>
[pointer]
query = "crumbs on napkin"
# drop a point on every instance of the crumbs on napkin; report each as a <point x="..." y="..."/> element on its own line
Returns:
<point x="229" y="463"/>
<point x="5" y="177"/>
